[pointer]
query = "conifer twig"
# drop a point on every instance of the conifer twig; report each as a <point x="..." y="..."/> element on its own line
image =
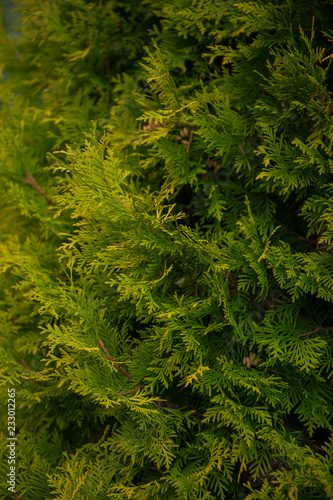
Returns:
<point x="155" y="467"/>
<point x="125" y="204"/>
<point x="316" y="330"/>
<point x="29" y="370"/>
<point x="181" y="389"/>
<point x="109" y="358"/>
<point x="122" y="202"/>
<point x="139" y="386"/>
<point x="189" y="142"/>
<point x="169" y="286"/>
<point x="106" y="59"/>
<point x="31" y="181"/>
<point x="129" y="392"/>
<point x="241" y="150"/>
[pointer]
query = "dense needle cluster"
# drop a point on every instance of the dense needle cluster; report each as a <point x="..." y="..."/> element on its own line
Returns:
<point x="166" y="237"/>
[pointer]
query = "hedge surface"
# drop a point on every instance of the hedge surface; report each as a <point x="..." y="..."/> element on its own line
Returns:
<point x="166" y="236"/>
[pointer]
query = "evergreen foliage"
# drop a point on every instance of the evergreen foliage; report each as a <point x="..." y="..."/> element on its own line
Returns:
<point x="166" y="296"/>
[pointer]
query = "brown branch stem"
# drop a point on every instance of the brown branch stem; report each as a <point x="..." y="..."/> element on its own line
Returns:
<point x="129" y="392"/>
<point x="241" y="150"/>
<point x="31" y="181"/>
<point x="106" y="60"/>
<point x="155" y="467"/>
<point x="189" y="142"/>
<point x="29" y="370"/>
<point x="109" y="358"/>
<point x="316" y="330"/>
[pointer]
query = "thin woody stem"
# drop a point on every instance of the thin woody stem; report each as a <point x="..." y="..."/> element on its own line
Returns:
<point x="31" y="181"/>
<point x="316" y="330"/>
<point x="125" y="204"/>
<point x="241" y="150"/>
<point x="189" y="142"/>
<point x="106" y="60"/>
<point x="128" y="392"/>
<point x="155" y="467"/>
<point x="29" y="370"/>
<point x="146" y="223"/>
<point x="109" y="358"/>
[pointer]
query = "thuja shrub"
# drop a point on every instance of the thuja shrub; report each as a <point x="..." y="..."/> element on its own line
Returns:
<point x="166" y="300"/>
